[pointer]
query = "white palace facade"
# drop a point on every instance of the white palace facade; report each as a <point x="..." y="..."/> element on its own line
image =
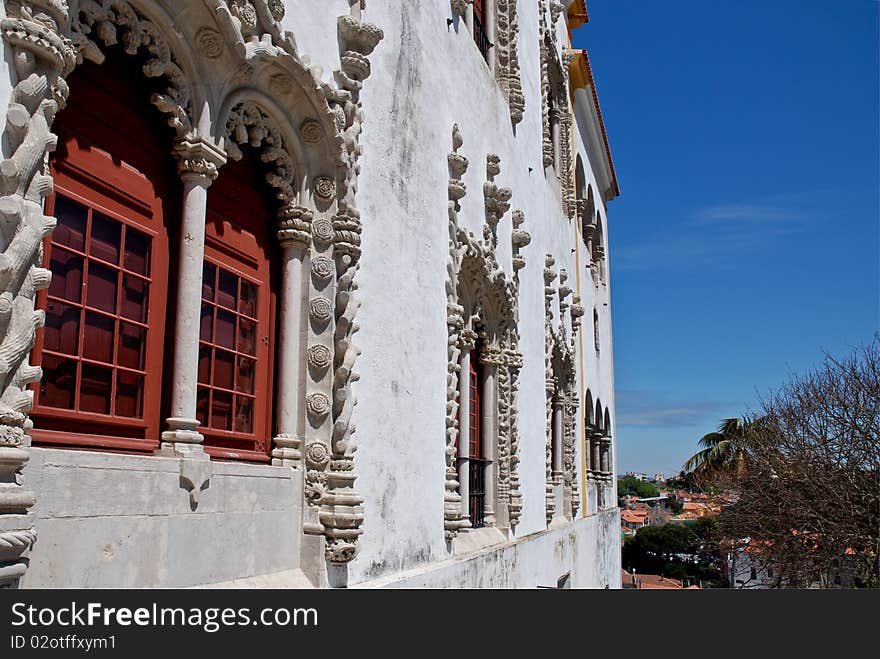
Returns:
<point x="304" y="294"/>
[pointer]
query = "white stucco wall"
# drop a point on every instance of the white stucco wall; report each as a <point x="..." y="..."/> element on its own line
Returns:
<point x="112" y="520"/>
<point x="427" y="76"/>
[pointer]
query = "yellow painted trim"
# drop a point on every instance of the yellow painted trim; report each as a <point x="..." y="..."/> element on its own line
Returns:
<point x="577" y="263"/>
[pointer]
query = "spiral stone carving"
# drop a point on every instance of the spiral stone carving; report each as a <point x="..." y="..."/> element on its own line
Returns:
<point x="322" y="268"/>
<point x="325" y="188"/>
<point x="209" y="42"/>
<point x="311" y="131"/>
<point x="319" y="356"/>
<point x="317" y="454"/>
<point x="322" y="230"/>
<point x="320" y="309"/>
<point x="318" y="404"/>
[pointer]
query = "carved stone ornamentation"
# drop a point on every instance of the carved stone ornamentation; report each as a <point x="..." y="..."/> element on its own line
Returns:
<point x="209" y="42"/>
<point x="249" y="124"/>
<point x="321" y="309"/>
<point x="322" y="230"/>
<point x="311" y="131"/>
<point x="318" y="405"/>
<point x="294" y="226"/>
<point x="562" y="390"/>
<point x="341" y="512"/>
<point x="319" y="357"/>
<point x="459" y="7"/>
<point x="474" y="275"/>
<point x="317" y="455"/>
<point x="507" y="58"/>
<point x="322" y="268"/>
<point x="325" y="188"/>
<point x="497" y="198"/>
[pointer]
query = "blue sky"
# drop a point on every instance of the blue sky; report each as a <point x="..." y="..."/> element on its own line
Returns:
<point x="745" y="241"/>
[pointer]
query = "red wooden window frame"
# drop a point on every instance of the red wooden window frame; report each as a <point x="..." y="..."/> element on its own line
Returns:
<point x="238" y="251"/>
<point x="112" y="161"/>
<point x="481" y="37"/>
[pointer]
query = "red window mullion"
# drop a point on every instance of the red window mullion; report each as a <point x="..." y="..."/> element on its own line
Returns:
<point x="478" y="9"/>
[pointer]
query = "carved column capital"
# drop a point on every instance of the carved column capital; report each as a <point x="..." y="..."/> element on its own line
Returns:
<point x="294" y="226"/>
<point x="198" y="159"/>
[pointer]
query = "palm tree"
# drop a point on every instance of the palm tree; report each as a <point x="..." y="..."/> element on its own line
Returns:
<point x="723" y="450"/>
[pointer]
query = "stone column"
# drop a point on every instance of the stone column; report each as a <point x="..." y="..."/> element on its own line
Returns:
<point x="489" y="27"/>
<point x="605" y="455"/>
<point x="490" y="426"/>
<point x="558" y="421"/>
<point x="197" y="163"/>
<point x="294" y="231"/>
<point x="556" y="136"/>
<point x="595" y="464"/>
<point x="464" y="428"/>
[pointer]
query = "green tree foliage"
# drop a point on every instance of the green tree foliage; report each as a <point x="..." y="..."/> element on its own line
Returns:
<point x="676" y="551"/>
<point x="632" y="486"/>
<point x="722" y="450"/>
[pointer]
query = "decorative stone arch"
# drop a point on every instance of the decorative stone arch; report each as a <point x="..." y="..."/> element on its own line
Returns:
<point x="560" y="383"/>
<point x="482" y="303"/>
<point x="190" y="45"/>
<point x="556" y="112"/>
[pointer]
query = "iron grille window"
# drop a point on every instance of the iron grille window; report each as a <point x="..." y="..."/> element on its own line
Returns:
<point x="477" y="491"/>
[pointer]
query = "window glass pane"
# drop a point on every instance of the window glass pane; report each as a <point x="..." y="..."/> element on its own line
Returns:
<point x="204" y="365"/>
<point x="101" y="288"/>
<point x="105" y="238"/>
<point x="132" y="346"/>
<point x="207" y="325"/>
<point x="209" y="274"/>
<point x="67" y="274"/>
<point x="245" y="380"/>
<point x="221" y="411"/>
<point x="247" y="336"/>
<point x="223" y="365"/>
<point x="71" y="228"/>
<point x="137" y="251"/>
<point x="61" y="333"/>
<point x="248" y="299"/>
<point x="98" y="337"/>
<point x="227" y="295"/>
<point x="202" y="405"/>
<point x="94" y="395"/>
<point x="59" y="382"/>
<point x="225" y="335"/>
<point x="135" y="298"/>
<point x="244" y="414"/>
<point x="129" y="395"/>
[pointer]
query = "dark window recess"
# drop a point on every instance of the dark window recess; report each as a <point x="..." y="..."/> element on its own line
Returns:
<point x="480" y="36"/>
<point x="477" y="463"/>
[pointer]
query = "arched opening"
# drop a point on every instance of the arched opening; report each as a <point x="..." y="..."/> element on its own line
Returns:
<point x="237" y="332"/>
<point x="116" y="199"/>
